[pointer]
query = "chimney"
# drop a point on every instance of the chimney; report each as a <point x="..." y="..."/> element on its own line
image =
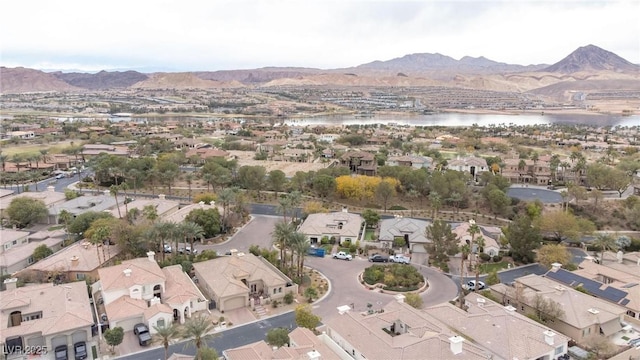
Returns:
<point x="619" y="256"/>
<point x="345" y="209"/>
<point x="400" y="298"/>
<point x="151" y="256"/>
<point x="455" y="344"/>
<point x="233" y="252"/>
<point x="154" y="301"/>
<point x="11" y="284"/>
<point x="556" y="266"/>
<point x="313" y="355"/>
<point x="480" y="302"/>
<point x="74" y="260"/>
<point x="127" y="272"/>
<point x="510" y="309"/>
<point x="50" y="188"/>
<point x="548" y="337"/>
<point x="162" y="196"/>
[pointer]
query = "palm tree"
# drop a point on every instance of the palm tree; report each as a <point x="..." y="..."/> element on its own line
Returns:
<point x="114" y="191"/>
<point x="436" y="203"/>
<point x="197" y="328"/>
<point x="465" y="250"/>
<point x="191" y="231"/>
<point x="281" y="235"/>
<point x="295" y="199"/>
<point x="480" y="243"/>
<point x="165" y="335"/>
<point x="226" y="197"/>
<point x="605" y="242"/>
<point x="473" y="231"/>
<point x="284" y="204"/>
<point x="553" y="165"/>
<point x="300" y="246"/>
<point x="65" y="217"/>
<point x="150" y="212"/>
<point x="189" y="179"/>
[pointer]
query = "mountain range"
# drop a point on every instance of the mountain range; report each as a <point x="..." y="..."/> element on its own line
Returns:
<point x="587" y="68"/>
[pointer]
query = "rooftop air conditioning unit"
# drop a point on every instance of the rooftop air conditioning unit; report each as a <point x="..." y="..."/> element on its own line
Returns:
<point x="593" y="311"/>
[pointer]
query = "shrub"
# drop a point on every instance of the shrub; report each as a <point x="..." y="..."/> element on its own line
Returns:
<point x="288" y="298"/>
<point x="496" y="258"/>
<point x="353" y="248"/>
<point x="397" y="207"/>
<point x="275" y="304"/>
<point x="485" y="257"/>
<point x="324" y="240"/>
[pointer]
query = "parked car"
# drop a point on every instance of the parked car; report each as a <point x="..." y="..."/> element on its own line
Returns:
<point x="471" y="285"/>
<point x="60" y="352"/>
<point x="80" y="350"/>
<point x="187" y="250"/>
<point x="167" y="249"/>
<point x="341" y="255"/>
<point x="400" y="259"/>
<point x="378" y="258"/>
<point x="142" y="331"/>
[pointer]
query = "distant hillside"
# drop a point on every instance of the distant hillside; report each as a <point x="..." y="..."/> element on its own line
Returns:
<point x="429" y="62"/>
<point x="103" y="80"/>
<point x="256" y="76"/>
<point x="184" y="80"/>
<point x="17" y="80"/>
<point x="592" y="58"/>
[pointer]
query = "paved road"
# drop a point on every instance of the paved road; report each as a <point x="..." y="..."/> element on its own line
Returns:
<point x="528" y="193"/>
<point x="507" y="276"/>
<point x="227" y="339"/>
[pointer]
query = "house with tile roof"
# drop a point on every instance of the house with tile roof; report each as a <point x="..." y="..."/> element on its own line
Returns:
<point x="490" y="236"/>
<point x="50" y="198"/>
<point x="241" y="280"/>
<point x="304" y="345"/>
<point x="78" y="261"/>
<point x="44" y="315"/>
<point x="412" y="231"/>
<point x="501" y="329"/>
<point x="340" y="225"/>
<point x="16" y="247"/>
<point x="399" y="332"/>
<point x="583" y="315"/>
<point x="139" y="291"/>
<point x="470" y="164"/>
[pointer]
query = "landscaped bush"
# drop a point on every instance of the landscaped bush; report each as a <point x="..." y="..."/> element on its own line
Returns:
<point x="395" y="277"/>
<point x="288" y="298"/>
<point x="325" y="240"/>
<point x="496" y="258"/>
<point x="397" y="207"/>
<point x="485" y="256"/>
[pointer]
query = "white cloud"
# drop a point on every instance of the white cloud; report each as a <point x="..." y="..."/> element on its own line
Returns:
<point x="211" y="35"/>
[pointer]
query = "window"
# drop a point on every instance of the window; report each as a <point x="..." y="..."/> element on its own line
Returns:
<point x="30" y="260"/>
<point x="559" y="350"/>
<point x="80" y="276"/>
<point x="274" y="291"/>
<point x="279" y="289"/>
<point x="15" y="242"/>
<point x="160" y="323"/>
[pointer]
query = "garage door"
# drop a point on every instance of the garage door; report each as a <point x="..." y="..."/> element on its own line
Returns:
<point x="36" y="341"/>
<point x="59" y="340"/>
<point x="79" y="336"/>
<point x="234" y="303"/>
<point x="127" y="325"/>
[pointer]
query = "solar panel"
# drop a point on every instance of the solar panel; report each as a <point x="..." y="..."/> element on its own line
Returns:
<point x="591" y="286"/>
<point x="624" y="302"/>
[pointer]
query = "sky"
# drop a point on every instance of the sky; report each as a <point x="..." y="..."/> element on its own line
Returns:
<point x="188" y="35"/>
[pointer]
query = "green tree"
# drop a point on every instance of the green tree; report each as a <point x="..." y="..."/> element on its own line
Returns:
<point x="252" y="177"/>
<point x="493" y="278"/>
<point x="310" y="293"/>
<point x="300" y="246"/>
<point x="306" y="318"/>
<point x="278" y="337"/>
<point x="551" y="253"/>
<point x="618" y="180"/>
<point x="384" y="193"/>
<point x="324" y="185"/>
<point x="150" y="212"/>
<point x="41" y="252"/>
<point x="164" y="335"/>
<point x="414" y="300"/>
<point x="605" y="242"/>
<point x="83" y="221"/>
<point x="524" y="238"/>
<point x="277" y="181"/>
<point x="208" y="219"/>
<point x="190" y="232"/>
<point x="114" y="337"/>
<point x="25" y="211"/>
<point x="444" y="242"/>
<point x="371" y="218"/>
<point x="498" y="201"/>
<point x="564" y="226"/>
<point x="197" y="328"/>
<point x="206" y="353"/>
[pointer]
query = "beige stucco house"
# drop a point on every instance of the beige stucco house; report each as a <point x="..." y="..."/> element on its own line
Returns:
<point x="241" y="280"/>
<point x="339" y="225"/>
<point x="44" y="315"/>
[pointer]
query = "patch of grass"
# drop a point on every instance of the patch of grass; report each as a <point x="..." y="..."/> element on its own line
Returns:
<point x="368" y="234"/>
<point x="57" y="227"/>
<point x="397" y="207"/>
<point x="489" y="267"/>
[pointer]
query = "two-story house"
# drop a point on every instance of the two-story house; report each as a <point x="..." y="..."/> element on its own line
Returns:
<point x="359" y="162"/>
<point x="470" y="164"/>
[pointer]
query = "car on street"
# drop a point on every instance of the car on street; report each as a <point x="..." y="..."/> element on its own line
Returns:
<point x="187" y="250"/>
<point x="80" y="350"/>
<point x="471" y="285"/>
<point x="400" y="259"/>
<point x="142" y="331"/>
<point x="341" y="255"/>
<point x="378" y="258"/>
<point x="60" y="352"/>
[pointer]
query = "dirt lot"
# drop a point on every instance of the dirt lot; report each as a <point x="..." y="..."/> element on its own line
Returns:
<point x="289" y="168"/>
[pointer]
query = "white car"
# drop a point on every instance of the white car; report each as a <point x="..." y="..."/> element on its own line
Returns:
<point x="341" y="255"/>
<point x="471" y="285"/>
<point x="187" y="250"/>
<point x="400" y="259"/>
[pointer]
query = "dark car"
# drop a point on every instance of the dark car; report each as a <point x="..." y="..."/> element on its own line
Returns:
<point x="60" y="352"/>
<point x="80" y="350"/>
<point x="378" y="258"/>
<point x="142" y="331"/>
